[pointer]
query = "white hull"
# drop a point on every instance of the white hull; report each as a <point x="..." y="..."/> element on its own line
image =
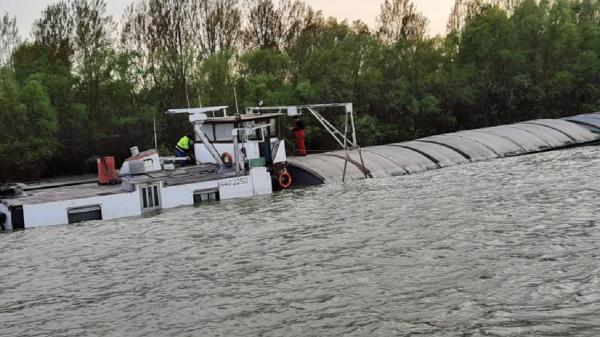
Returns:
<point x="131" y="204"/>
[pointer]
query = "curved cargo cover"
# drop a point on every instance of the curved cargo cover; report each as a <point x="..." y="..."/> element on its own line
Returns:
<point x="502" y="146"/>
<point x="411" y="161"/>
<point x="589" y="121"/>
<point x="376" y="165"/>
<point x="576" y="133"/>
<point x="441" y="155"/>
<point x="553" y="138"/>
<point x="451" y="149"/>
<point x="327" y="168"/>
<point x="472" y="150"/>
<point x="526" y="140"/>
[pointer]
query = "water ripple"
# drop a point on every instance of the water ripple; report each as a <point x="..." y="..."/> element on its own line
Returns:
<point x="501" y="248"/>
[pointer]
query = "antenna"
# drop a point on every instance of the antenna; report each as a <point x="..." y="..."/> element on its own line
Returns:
<point x="237" y="108"/>
<point x="187" y="97"/>
<point x="155" y="137"/>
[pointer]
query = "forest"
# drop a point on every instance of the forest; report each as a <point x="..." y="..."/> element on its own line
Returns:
<point x="83" y="84"/>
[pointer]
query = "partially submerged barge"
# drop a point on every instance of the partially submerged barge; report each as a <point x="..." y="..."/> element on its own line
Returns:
<point x="447" y="150"/>
<point x="243" y="156"/>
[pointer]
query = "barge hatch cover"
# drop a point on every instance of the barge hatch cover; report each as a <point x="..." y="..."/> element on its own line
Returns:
<point x="589" y="121"/>
<point x="448" y="150"/>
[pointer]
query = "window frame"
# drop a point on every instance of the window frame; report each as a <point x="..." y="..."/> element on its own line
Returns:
<point x="150" y="197"/>
<point x="209" y="200"/>
<point x="84" y="209"/>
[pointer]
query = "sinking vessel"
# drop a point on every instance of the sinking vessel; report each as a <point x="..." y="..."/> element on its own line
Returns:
<point x="244" y="155"/>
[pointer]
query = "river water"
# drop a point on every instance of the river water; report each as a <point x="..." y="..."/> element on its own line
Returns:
<point x="507" y="247"/>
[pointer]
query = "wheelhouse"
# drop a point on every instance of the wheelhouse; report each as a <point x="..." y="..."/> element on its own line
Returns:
<point x="258" y="136"/>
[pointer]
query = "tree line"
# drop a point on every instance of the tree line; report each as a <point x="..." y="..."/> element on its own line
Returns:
<point x="85" y="84"/>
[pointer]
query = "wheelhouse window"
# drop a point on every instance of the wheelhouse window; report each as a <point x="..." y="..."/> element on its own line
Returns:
<point x="209" y="131"/>
<point x="223" y="132"/>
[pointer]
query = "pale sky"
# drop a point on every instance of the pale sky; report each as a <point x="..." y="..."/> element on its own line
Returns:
<point x="366" y="10"/>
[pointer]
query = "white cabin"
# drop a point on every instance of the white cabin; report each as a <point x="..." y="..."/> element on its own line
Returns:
<point x="258" y="130"/>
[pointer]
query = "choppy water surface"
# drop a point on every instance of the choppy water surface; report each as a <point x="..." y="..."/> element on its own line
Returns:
<point x="501" y="248"/>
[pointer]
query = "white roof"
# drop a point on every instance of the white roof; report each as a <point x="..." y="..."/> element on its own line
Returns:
<point x="197" y="110"/>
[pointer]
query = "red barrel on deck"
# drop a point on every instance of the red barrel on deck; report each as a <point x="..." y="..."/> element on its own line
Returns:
<point x="107" y="174"/>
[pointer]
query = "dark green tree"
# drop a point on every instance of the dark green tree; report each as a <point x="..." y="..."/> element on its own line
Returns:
<point x="28" y="124"/>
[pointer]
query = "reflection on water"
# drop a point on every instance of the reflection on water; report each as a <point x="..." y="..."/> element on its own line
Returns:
<point x="501" y="248"/>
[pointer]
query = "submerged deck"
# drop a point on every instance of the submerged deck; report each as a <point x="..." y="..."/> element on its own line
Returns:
<point x="448" y="150"/>
<point x="62" y="190"/>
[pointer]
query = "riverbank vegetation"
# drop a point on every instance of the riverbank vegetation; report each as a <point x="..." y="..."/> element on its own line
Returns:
<point x="85" y="84"/>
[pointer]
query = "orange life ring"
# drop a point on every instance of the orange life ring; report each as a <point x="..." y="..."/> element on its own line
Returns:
<point x="285" y="180"/>
<point x="227" y="159"/>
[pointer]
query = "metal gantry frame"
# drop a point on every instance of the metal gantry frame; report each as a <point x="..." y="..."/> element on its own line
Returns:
<point x="347" y="143"/>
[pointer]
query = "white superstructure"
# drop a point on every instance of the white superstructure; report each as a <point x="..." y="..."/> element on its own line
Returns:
<point x="235" y="156"/>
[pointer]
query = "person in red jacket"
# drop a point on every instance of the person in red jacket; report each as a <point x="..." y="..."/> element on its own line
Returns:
<point x="300" y="136"/>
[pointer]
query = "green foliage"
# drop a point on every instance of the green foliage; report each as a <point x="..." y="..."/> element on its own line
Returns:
<point x="28" y="124"/>
<point x="73" y="94"/>
<point x="216" y="80"/>
<point x="264" y="77"/>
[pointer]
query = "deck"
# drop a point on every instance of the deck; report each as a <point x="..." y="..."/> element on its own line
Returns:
<point x="72" y="189"/>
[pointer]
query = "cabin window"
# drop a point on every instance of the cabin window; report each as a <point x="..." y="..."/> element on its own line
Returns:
<point x="206" y="196"/>
<point x="85" y="213"/>
<point x="274" y="127"/>
<point x="150" y="198"/>
<point x="257" y="135"/>
<point x="209" y="131"/>
<point x="18" y="217"/>
<point x="223" y="132"/>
